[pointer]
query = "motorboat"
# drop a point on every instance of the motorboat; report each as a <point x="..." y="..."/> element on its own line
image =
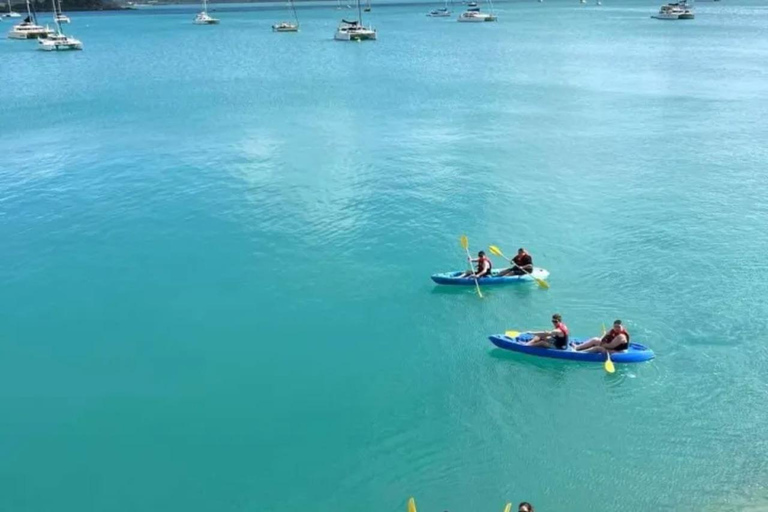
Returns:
<point x="354" y="31"/>
<point x="63" y="18"/>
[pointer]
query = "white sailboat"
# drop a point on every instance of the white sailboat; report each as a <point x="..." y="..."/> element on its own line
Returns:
<point x="355" y="30"/>
<point x="203" y="18"/>
<point x="59" y="41"/>
<point x="58" y="14"/>
<point x="442" y="12"/>
<point x="473" y="14"/>
<point x="29" y="29"/>
<point x="10" y="13"/>
<point x="286" y="26"/>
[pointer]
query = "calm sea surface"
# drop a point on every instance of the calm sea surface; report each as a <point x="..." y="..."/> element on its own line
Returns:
<point x="216" y="242"/>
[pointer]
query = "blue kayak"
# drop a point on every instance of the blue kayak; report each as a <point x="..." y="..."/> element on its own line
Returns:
<point x="453" y="278"/>
<point x="636" y="353"/>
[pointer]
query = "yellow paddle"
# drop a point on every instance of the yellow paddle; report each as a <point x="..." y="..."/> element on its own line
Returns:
<point x="465" y="244"/>
<point x="542" y="283"/>
<point x="512" y="334"/>
<point x="508" y="507"/>
<point x="411" y="505"/>
<point x="608" y="363"/>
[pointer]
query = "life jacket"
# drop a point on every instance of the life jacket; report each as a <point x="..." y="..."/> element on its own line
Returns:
<point x="610" y="335"/>
<point x="562" y="341"/>
<point x="523" y="259"/>
<point x="481" y="265"/>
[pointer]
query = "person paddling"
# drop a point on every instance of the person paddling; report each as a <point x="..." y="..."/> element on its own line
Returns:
<point x="557" y="337"/>
<point x="615" y="340"/>
<point x="521" y="264"/>
<point x="484" y="266"/>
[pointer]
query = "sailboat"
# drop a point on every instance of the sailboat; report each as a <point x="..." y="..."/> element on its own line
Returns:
<point x="203" y="18"/>
<point x="59" y="41"/>
<point x="10" y="13"/>
<point x="57" y="14"/>
<point x="440" y="13"/>
<point x="286" y="26"/>
<point x="473" y="14"/>
<point x="355" y="30"/>
<point x="29" y="29"/>
<point x="367" y="6"/>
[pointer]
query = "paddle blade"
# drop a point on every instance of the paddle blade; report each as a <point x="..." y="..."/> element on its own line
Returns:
<point x="603" y="329"/>
<point x="508" y="507"/>
<point x="609" y="364"/>
<point x="542" y="283"/>
<point x="411" y="505"/>
<point x="495" y="250"/>
<point x="464" y="242"/>
<point x="512" y="334"/>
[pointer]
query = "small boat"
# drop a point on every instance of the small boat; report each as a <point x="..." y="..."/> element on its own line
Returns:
<point x="453" y="278"/>
<point x="636" y="353"/>
<point x="443" y="12"/>
<point x="583" y="2"/>
<point x="203" y="18"/>
<point x="58" y="15"/>
<point x="367" y="6"/>
<point x="354" y="31"/>
<point x="286" y="26"/>
<point x="10" y="13"/>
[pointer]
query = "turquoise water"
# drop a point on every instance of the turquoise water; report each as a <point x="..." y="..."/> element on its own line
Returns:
<point x="217" y="242"/>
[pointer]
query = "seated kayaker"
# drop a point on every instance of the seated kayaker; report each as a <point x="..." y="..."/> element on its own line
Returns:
<point x="615" y="340"/>
<point x="525" y="507"/>
<point x="521" y="264"/>
<point x="557" y="337"/>
<point x="484" y="266"/>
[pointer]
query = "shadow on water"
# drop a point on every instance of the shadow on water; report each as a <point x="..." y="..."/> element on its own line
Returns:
<point x="559" y="370"/>
<point x="519" y="290"/>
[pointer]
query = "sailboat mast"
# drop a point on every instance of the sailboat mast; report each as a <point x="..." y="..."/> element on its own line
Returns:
<point x="205" y="6"/>
<point x="295" y="15"/>
<point x="360" y="13"/>
<point x="56" y="18"/>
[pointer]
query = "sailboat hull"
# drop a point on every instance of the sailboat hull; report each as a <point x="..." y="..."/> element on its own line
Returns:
<point x="357" y="35"/>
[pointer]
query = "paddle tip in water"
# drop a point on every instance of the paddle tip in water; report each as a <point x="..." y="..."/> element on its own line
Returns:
<point x="411" y="505"/>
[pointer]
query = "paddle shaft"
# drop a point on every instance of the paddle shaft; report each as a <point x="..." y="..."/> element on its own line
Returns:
<point x="477" y="285"/>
